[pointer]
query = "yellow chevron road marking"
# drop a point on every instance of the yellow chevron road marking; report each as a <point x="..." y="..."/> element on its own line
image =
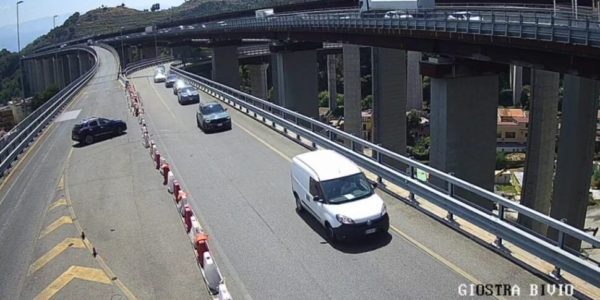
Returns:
<point x="62" y="221"/>
<point x="89" y="274"/>
<point x="57" y="203"/>
<point x="61" y="183"/>
<point x="56" y="251"/>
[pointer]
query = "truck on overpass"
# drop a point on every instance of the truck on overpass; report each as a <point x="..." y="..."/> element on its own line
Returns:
<point x="388" y="5"/>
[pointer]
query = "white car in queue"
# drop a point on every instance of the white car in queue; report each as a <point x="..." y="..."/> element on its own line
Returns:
<point x="337" y="193"/>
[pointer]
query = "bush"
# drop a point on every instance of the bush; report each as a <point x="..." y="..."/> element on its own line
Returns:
<point x="501" y="161"/>
<point x="596" y="177"/>
<point x="421" y="149"/>
<point x="367" y="102"/>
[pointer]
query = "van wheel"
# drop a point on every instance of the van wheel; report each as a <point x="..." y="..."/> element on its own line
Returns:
<point x="299" y="207"/>
<point x="330" y="234"/>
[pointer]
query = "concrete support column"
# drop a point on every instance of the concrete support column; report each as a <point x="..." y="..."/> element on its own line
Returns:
<point x="66" y="77"/>
<point x="541" y="140"/>
<point x="575" y="152"/>
<point x="258" y="80"/>
<point x="463" y="128"/>
<point x="414" y="81"/>
<point x="38" y="77"/>
<point x="295" y="81"/>
<point x="352" y="90"/>
<point x="82" y="63"/>
<point x="28" y="77"/>
<point x="148" y="52"/>
<point x="389" y="98"/>
<point x="73" y="61"/>
<point x="225" y="66"/>
<point x="516" y="83"/>
<point x="332" y="81"/>
<point x="48" y="72"/>
<point x="58" y="74"/>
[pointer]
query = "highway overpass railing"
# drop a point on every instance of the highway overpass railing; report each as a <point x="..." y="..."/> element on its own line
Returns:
<point x="23" y="134"/>
<point x="525" y="25"/>
<point x="439" y="189"/>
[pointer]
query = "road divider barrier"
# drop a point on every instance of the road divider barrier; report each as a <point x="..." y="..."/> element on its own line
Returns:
<point x="169" y="181"/>
<point x="198" y="237"/>
<point x="176" y="188"/>
<point x="201" y="246"/>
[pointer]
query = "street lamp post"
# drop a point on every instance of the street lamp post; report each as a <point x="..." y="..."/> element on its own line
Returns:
<point x="54" y="21"/>
<point x="155" y="43"/>
<point x="122" y="49"/>
<point x="19" y="52"/>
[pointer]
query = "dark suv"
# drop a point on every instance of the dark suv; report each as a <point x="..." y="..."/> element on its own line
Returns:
<point x="89" y="130"/>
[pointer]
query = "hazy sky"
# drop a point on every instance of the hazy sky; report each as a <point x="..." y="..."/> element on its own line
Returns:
<point x="35" y="9"/>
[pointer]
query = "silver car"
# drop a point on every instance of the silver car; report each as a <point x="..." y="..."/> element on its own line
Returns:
<point x="178" y="85"/>
<point x="188" y="95"/>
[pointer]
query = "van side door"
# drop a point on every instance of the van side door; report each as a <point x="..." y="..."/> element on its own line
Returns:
<point x="315" y="207"/>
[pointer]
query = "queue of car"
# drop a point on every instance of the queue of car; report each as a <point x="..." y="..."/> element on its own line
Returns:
<point x="210" y="116"/>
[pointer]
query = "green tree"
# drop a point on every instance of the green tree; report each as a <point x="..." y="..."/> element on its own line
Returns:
<point x="44" y="96"/>
<point x="367" y="102"/>
<point x="501" y="161"/>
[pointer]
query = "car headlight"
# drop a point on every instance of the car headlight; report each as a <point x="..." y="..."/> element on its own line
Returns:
<point x="343" y="219"/>
<point x="383" y="210"/>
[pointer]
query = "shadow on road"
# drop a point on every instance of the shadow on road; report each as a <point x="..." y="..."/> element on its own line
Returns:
<point x="98" y="139"/>
<point x="361" y="245"/>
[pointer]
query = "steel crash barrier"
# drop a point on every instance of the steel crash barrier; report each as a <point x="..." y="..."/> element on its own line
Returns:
<point x="383" y="163"/>
<point x="23" y="134"/>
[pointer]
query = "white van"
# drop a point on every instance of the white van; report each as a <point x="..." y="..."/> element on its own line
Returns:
<point x="336" y="192"/>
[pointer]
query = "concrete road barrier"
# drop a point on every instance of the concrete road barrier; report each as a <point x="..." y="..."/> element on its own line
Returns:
<point x="224" y="293"/>
<point x="169" y="181"/>
<point x="212" y="275"/>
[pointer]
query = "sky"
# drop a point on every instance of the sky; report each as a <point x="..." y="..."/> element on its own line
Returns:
<point x="38" y="9"/>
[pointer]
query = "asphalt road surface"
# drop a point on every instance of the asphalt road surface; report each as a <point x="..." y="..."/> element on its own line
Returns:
<point x="240" y="186"/>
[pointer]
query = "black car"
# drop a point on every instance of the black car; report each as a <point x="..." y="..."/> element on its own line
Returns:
<point x="170" y="80"/>
<point x="212" y="116"/>
<point x="188" y="95"/>
<point x="89" y="130"/>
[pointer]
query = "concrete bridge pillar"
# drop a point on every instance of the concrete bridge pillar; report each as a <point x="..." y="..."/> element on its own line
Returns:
<point x="332" y="81"/>
<point x="48" y="67"/>
<point x="258" y="80"/>
<point x="295" y="78"/>
<point x="29" y="77"/>
<point x="414" y="81"/>
<point x="516" y="83"/>
<point x="575" y="152"/>
<point x="464" y="101"/>
<point x="352" y="90"/>
<point x="84" y="63"/>
<point x="389" y="99"/>
<point x="38" y="75"/>
<point x="148" y="52"/>
<point x="541" y="140"/>
<point x="65" y="70"/>
<point x="225" y="66"/>
<point x="58" y="72"/>
<point x="73" y="61"/>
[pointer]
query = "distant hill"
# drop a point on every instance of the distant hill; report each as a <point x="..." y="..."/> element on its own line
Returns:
<point x="111" y="19"/>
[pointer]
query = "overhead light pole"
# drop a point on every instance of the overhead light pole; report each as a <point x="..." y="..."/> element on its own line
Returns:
<point x="54" y="21"/>
<point x="19" y="52"/>
<point x="155" y="42"/>
<point x="122" y="49"/>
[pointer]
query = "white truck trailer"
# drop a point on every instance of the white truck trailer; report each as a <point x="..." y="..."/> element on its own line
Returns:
<point x="389" y="5"/>
<point x="264" y="13"/>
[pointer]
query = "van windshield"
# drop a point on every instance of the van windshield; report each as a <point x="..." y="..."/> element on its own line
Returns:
<point x="346" y="189"/>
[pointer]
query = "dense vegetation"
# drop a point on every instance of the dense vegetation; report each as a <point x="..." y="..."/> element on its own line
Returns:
<point x="10" y="85"/>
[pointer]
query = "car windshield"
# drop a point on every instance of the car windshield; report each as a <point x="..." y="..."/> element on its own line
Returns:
<point x="346" y="189"/>
<point x="187" y="90"/>
<point x="172" y="77"/>
<point x="212" y="109"/>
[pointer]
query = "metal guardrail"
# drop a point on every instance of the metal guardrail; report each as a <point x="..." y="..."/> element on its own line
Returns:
<point x="542" y="27"/>
<point x="27" y="130"/>
<point x="383" y="162"/>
